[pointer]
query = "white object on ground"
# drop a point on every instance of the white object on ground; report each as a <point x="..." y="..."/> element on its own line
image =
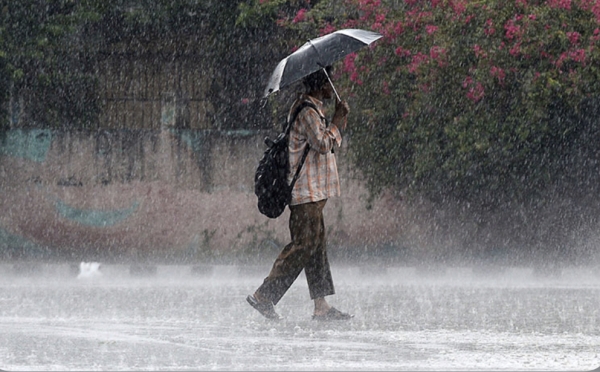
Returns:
<point x="89" y="270"/>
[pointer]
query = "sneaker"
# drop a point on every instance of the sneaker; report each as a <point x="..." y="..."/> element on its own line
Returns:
<point x="333" y="314"/>
<point x="265" y="308"/>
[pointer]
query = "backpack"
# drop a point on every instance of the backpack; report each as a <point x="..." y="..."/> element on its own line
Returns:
<point x="270" y="180"/>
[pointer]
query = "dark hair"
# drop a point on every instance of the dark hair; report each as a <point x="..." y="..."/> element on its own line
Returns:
<point x="316" y="80"/>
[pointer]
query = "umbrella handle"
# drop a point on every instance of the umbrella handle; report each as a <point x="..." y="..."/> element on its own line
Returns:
<point x="333" y="86"/>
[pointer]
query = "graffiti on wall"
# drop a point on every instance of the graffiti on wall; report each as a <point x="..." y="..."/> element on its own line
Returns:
<point x="168" y="194"/>
<point x="125" y="191"/>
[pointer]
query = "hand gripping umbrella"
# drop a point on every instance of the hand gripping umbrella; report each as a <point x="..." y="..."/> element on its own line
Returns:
<point x="316" y="54"/>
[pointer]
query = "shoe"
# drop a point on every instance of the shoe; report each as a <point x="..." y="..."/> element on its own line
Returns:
<point x="265" y="308"/>
<point x="333" y="314"/>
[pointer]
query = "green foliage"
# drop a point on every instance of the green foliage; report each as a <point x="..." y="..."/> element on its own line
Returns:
<point x="43" y="60"/>
<point x="50" y="50"/>
<point x="468" y="100"/>
<point x="255" y="13"/>
<point x="489" y="105"/>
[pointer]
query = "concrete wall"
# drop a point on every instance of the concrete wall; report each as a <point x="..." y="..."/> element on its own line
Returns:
<point x="165" y="194"/>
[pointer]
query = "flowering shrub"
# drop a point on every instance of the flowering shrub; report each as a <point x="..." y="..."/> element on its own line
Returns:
<point x="468" y="89"/>
<point x="488" y="103"/>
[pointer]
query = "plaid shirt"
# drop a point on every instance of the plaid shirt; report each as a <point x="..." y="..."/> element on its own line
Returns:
<point x="318" y="178"/>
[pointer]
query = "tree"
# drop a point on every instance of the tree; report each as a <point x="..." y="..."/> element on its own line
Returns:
<point x="44" y="61"/>
<point x="50" y="50"/>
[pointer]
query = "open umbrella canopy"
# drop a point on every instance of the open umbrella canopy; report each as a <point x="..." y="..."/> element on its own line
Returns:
<point x="317" y="54"/>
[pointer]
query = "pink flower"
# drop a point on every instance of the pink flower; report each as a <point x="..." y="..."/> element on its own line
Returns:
<point x="476" y="92"/>
<point x="351" y="23"/>
<point x="573" y="37"/>
<point x="436" y="52"/>
<point x="479" y="52"/>
<point x="596" y="11"/>
<point x="376" y="26"/>
<point x="561" y="59"/>
<point x="327" y="29"/>
<point x="355" y="78"/>
<point x="386" y="88"/>
<point x="560" y="4"/>
<point x="369" y="4"/>
<point x="300" y="16"/>
<point x="349" y="63"/>
<point x="512" y="30"/>
<point x="467" y="82"/>
<point x="489" y="28"/>
<point x="399" y="28"/>
<point x="578" y="55"/>
<point x="515" y="50"/>
<point x="498" y="73"/>
<point x="458" y="6"/>
<point x="532" y="17"/>
<point x="245" y="101"/>
<point x="417" y="60"/>
<point x="430" y="29"/>
<point x="401" y="52"/>
<point x="367" y="8"/>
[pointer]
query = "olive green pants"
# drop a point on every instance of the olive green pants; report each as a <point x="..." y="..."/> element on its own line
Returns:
<point x="307" y="251"/>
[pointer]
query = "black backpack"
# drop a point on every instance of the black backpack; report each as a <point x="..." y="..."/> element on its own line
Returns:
<point x="270" y="179"/>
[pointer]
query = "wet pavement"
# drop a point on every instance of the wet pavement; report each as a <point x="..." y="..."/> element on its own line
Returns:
<point x="196" y="318"/>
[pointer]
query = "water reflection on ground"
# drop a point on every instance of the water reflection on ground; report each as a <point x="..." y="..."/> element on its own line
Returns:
<point x="196" y="318"/>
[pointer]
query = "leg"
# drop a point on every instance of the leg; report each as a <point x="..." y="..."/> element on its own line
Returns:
<point x="318" y="272"/>
<point x="305" y="229"/>
<point x="318" y="276"/>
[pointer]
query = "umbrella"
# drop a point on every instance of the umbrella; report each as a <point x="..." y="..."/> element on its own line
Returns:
<point x="316" y="54"/>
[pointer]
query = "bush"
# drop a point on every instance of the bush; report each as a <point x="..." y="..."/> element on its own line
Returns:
<point x="489" y="106"/>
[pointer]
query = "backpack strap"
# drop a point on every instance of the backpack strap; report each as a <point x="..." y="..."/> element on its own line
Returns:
<point x="304" y="155"/>
<point x="307" y="148"/>
<point x="296" y="113"/>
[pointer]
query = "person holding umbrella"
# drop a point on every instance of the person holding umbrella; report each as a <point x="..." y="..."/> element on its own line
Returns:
<point x="318" y="178"/>
<point x="318" y="181"/>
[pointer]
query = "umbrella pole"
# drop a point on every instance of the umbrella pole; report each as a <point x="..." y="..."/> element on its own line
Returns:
<point x="333" y="86"/>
